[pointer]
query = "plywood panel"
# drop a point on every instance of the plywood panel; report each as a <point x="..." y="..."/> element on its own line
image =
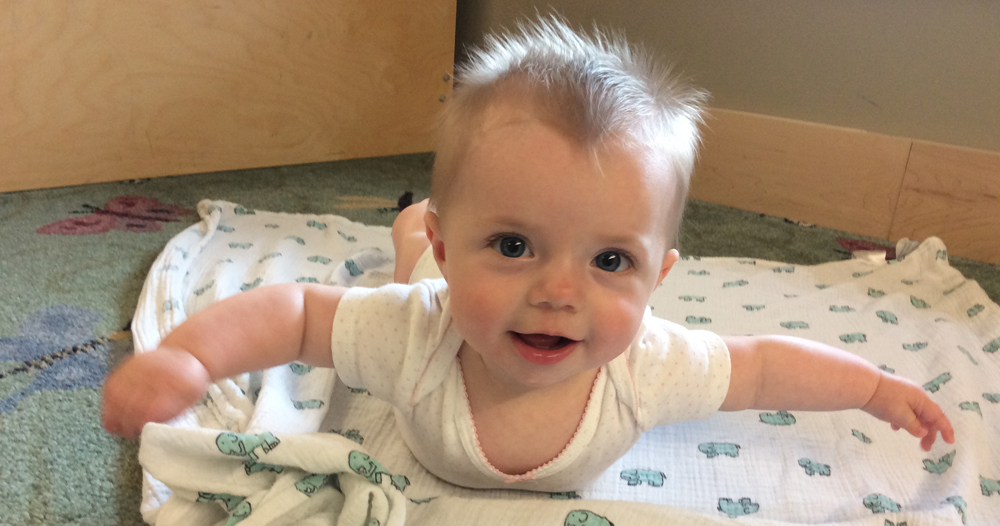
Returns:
<point x="835" y="177"/>
<point x="99" y="90"/>
<point x="952" y="193"/>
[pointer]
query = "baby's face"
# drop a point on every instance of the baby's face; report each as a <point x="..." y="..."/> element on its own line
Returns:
<point x="550" y="252"/>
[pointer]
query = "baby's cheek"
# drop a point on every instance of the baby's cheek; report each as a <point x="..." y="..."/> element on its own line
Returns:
<point x="619" y="322"/>
<point x="478" y="306"/>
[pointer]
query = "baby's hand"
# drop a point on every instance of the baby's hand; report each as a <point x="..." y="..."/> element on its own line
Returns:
<point x="905" y="405"/>
<point x="152" y="387"/>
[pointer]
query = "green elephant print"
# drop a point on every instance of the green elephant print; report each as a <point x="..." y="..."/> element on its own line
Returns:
<point x="941" y="465"/>
<point x="248" y="286"/>
<point x="349" y="239"/>
<point x="873" y="293"/>
<point x="634" y="477"/>
<point x="697" y="320"/>
<point x="937" y="382"/>
<point x="202" y="290"/>
<point x="861" y="436"/>
<point x="307" y="404"/>
<point x="968" y="355"/>
<point x="879" y="503"/>
<point x="988" y="486"/>
<point x="959" y="504"/>
<point x="992" y="347"/>
<point x="971" y="406"/>
<point x="915" y="346"/>
<point x="856" y="337"/>
<point x="586" y="518"/>
<point x="992" y="397"/>
<point x="697" y="272"/>
<point x="753" y="308"/>
<point x="740" y="283"/>
<point x="794" y="325"/>
<point x="372" y="470"/>
<point x="783" y="270"/>
<point x="841" y="308"/>
<point x="699" y="299"/>
<point x="316" y="224"/>
<point x="919" y="303"/>
<point x="976" y="309"/>
<point x="240" y="445"/>
<point x="781" y="418"/>
<point x="311" y="484"/>
<point x="887" y="317"/>
<point x="714" y="449"/>
<point x="352" y="434"/>
<point x="237" y="507"/>
<point x="814" y="468"/>
<point x="352" y="268"/>
<point x="241" y="211"/>
<point x="243" y="246"/>
<point x="230" y="501"/>
<point x="297" y="239"/>
<point x="565" y="495"/>
<point x="318" y="259"/>
<point x="744" y="506"/>
<point x="300" y="368"/>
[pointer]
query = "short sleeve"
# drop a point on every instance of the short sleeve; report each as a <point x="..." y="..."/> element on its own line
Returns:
<point x="383" y="339"/>
<point x="679" y="374"/>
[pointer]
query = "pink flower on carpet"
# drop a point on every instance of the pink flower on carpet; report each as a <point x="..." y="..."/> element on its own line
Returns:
<point x="127" y="213"/>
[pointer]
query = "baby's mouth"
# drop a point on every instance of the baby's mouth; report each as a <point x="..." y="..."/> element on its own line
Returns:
<point x="545" y="342"/>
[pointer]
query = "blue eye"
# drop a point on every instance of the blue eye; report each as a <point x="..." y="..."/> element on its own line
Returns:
<point x="511" y="247"/>
<point x="612" y="261"/>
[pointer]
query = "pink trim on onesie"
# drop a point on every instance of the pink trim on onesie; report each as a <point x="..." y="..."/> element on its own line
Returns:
<point x="531" y="474"/>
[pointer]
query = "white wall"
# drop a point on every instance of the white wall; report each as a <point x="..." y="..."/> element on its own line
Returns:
<point x="923" y="69"/>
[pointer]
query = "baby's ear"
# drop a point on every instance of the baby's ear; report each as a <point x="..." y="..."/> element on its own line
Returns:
<point x="437" y="242"/>
<point x="668" y="263"/>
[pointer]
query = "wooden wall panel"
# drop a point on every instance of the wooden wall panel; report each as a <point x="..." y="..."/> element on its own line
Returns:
<point x="835" y="177"/>
<point x="100" y="90"/>
<point x="952" y="193"/>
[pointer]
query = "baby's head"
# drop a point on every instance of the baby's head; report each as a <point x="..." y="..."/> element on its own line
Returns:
<point x="558" y="188"/>
<point x="595" y="90"/>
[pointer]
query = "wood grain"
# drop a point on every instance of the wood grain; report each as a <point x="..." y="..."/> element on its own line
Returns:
<point x="835" y="177"/>
<point x="952" y="193"/>
<point x="100" y="90"/>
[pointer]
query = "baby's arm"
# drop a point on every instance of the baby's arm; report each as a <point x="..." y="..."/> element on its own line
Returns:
<point x="254" y="330"/>
<point x="785" y="373"/>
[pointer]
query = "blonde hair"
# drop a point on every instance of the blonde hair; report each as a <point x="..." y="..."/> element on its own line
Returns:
<point x="594" y="88"/>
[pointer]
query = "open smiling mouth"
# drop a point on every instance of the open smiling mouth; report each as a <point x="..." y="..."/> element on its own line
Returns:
<point x="543" y="349"/>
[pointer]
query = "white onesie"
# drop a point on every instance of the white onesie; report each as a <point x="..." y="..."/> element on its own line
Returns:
<point x="398" y="342"/>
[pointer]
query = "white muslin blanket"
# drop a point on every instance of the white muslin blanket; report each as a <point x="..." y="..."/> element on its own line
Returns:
<point x="293" y="445"/>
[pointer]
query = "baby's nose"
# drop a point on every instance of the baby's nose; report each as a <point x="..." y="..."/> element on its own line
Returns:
<point x="557" y="287"/>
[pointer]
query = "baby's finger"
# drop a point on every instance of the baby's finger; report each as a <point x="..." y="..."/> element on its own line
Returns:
<point x="911" y="423"/>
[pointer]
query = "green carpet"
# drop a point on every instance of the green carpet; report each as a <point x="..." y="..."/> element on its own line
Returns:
<point x="67" y="290"/>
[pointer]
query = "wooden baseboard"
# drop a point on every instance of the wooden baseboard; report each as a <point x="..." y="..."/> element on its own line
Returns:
<point x="866" y="183"/>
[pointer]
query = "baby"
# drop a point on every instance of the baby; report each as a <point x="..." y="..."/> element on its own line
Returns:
<point x="560" y="178"/>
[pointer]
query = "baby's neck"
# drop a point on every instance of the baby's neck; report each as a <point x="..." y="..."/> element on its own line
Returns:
<point x="521" y="429"/>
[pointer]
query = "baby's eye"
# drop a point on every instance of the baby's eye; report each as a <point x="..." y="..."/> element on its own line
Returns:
<point x="612" y="261"/>
<point x="511" y="247"/>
